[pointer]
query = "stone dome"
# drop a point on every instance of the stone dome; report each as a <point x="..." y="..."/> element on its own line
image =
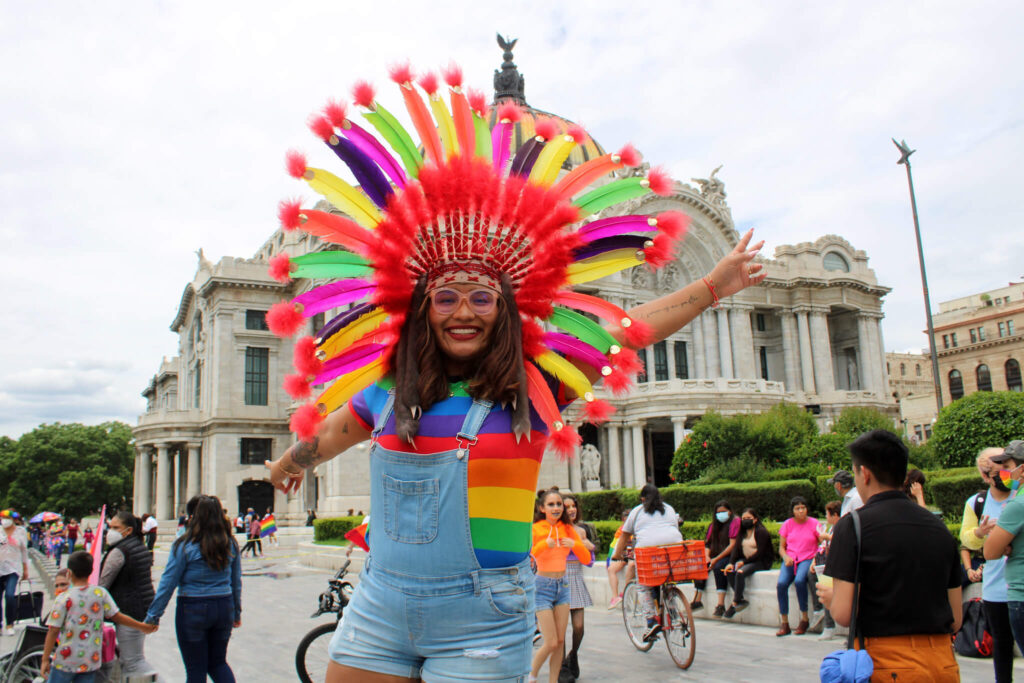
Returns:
<point x="524" y="130"/>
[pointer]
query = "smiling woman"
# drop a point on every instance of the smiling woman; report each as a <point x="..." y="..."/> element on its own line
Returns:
<point x="462" y="252"/>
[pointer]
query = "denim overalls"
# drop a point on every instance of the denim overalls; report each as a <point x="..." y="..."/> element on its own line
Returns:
<point x="423" y="606"/>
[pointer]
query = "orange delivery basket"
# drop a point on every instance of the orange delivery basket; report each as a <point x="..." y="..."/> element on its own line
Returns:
<point x="677" y="562"/>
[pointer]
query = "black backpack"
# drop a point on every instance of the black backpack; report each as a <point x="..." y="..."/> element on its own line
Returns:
<point x="973" y="638"/>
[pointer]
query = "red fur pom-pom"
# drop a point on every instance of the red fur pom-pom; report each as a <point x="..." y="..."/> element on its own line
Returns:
<point x="618" y="382"/>
<point x="401" y="73"/>
<point x="627" y="361"/>
<point x="428" y="82"/>
<point x="306" y="421"/>
<point x="673" y="223"/>
<point x="281" y="267"/>
<point x="321" y="126"/>
<point x="509" y="111"/>
<point x="662" y="252"/>
<point x="639" y="334"/>
<point x="284" y="319"/>
<point x="629" y="156"/>
<point x="660" y="181"/>
<point x="296" y="163"/>
<point x="477" y="102"/>
<point x="564" y="442"/>
<point x="289" y="212"/>
<point x="297" y="387"/>
<point x="546" y="128"/>
<point x="533" y="339"/>
<point x="597" y="412"/>
<point x="304" y="357"/>
<point x="452" y="75"/>
<point x="578" y="135"/>
<point x="336" y="112"/>
<point x="363" y="94"/>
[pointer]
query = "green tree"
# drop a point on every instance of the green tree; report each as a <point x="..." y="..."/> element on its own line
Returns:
<point x="976" y="421"/>
<point x="69" y="468"/>
<point x="856" y="420"/>
<point x="825" y="449"/>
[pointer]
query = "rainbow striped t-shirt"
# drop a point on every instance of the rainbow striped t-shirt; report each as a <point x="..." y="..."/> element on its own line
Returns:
<point x="502" y="477"/>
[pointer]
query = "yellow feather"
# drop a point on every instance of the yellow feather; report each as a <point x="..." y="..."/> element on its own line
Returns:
<point x="353" y="331"/>
<point x="599" y="266"/>
<point x="345" y="197"/>
<point x="346" y="386"/>
<point x="566" y="372"/>
<point x="445" y="125"/>
<point x="551" y="158"/>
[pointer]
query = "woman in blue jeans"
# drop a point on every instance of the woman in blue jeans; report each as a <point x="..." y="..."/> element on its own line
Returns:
<point x="204" y="566"/>
<point x="798" y="542"/>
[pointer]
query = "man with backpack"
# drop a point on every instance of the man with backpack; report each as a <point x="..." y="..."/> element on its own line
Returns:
<point x="981" y="512"/>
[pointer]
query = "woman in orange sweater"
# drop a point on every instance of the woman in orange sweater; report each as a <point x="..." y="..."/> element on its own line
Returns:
<point x="553" y="537"/>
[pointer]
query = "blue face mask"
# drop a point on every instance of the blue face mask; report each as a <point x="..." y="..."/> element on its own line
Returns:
<point x="722" y="516"/>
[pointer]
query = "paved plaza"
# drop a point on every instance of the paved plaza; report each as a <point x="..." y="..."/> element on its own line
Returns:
<point x="279" y="594"/>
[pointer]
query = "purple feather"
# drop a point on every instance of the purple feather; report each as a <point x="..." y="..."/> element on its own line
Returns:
<point x="371" y="180"/>
<point x="342" y="319"/>
<point x="526" y="157"/>
<point x="609" y="244"/>
<point x="372" y="148"/>
<point x="617" y="225"/>
<point x="351" y="360"/>
<point x="334" y="294"/>
<point x="574" y="348"/>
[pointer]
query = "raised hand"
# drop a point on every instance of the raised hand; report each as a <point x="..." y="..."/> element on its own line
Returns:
<point x="736" y="271"/>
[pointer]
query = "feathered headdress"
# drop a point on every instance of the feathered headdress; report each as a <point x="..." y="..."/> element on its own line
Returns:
<point x="464" y="203"/>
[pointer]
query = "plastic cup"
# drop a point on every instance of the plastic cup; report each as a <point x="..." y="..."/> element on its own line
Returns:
<point x="819" y="571"/>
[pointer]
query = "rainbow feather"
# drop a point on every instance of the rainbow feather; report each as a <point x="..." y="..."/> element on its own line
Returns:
<point x="583" y="328"/>
<point x="348" y="385"/>
<point x="445" y="125"/>
<point x="601" y="266"/>
<point x="351" y="359"/>
<point x="345" y="197"/>
<point x="423" y="123"/>
<point x="397" y="137"/>
<point x="334" y="294"/>
<point x="615" y="192"/>
<point x="551" y="158"/>
<point x="348" y="334"/>
<point x="338" y="230"/>
<point x="567" y="373"/>
<point x="330" y="264"/>
<point x="574" y="348"/>
<point x="372" y="148"/>
<point x="616" y="225"/>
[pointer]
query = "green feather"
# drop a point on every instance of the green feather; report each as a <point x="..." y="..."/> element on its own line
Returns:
<point x="483" y="138"/>
<point x="335" y="256"/>
<point x="392" y="131"/>
<point x="331" y="270"/>
<point x="613" y="193"/>
<point x="583" y="328"/>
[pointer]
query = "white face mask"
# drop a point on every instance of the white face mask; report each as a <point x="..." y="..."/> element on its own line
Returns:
<point x="7" y="522"/>
<point x="114" y="536"/>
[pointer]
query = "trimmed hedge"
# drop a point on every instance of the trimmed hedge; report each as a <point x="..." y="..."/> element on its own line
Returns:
<point x="951" y="493"/>
<point x="334" y="528"/>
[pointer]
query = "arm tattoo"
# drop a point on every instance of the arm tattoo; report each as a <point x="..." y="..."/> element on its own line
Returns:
<point x="305" y="453"/>
<point x="665" y="309"/>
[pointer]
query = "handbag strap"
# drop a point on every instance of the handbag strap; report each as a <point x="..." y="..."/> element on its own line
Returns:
<point x="856" y="585"/>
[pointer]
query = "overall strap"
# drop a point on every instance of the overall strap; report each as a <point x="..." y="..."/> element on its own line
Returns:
<point x="856" y="585"/>
<point x="474" y="420"/>
<point x="384" y="415"/>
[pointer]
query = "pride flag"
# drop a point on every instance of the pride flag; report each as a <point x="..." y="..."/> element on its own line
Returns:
<point x="97" y="549"/>
<point x="357" y="534"/>
<point x="268" y="526"/>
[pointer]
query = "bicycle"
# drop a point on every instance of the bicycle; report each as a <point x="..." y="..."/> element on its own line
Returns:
<point x="663" y="567"/>
<point x="311" y="662"/>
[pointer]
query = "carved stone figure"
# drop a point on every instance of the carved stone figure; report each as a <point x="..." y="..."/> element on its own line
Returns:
<point x="711" y="188"/>
<point x="590" y="462"/>
<point x="204" y="263"/>
<point x="642" y="278"/>
<point x="509" y="83"/>
<point x="669" y="277"/>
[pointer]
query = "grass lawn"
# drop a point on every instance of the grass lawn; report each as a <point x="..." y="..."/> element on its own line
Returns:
<point x="340" y="542"/>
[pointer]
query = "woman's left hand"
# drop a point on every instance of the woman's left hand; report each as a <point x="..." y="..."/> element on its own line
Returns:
<point x="736" y="271"/>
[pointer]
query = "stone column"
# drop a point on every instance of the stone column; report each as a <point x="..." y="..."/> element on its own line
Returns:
<point x="697" y="332"/>
<point x="806" y="358"/>
<point x="670" y="357"/>
<point x="678" y="425"/>
<point x="742" y="342"/>
<point x="143" y="483"/>
<point x="639" y="456"/>
<point x="178" y="482"/>
<point x="575" y="474"/>
<point x="882" y="374"/>
<point x="790" y="350"/>
<point x="194" y="473"/>
<point x="711" y="359"/>
<point x="822" y="351"/>
<point x="628" y="455"/>
<point x="163" y="482"/>
<point x="724" y="343"/>
<point x="864" y="344"/>
<point x="614" y="457"/>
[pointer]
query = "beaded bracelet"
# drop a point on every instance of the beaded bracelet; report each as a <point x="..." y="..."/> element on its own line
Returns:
<point x="711" y="286"/>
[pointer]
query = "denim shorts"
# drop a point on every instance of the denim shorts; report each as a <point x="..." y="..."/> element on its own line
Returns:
<point x="470" y="627"/>
<point x="551" y="592"/>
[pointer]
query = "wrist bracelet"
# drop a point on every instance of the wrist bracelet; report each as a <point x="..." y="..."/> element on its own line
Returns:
<point x="711" y="287"/>
<point x="287" y="471"/>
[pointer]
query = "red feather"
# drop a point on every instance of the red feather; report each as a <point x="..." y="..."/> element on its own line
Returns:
<point x="509" y="111"/>
<point x="297" y="387"/>
<point x="296" y="163"/>
<point x="401" y="73"/>
<point x="546" y="128"/>
<point x="321" y="126"/>
<point x="627" y="361"/>
<point x="477" y="102"/>
<point x="673" y="223"/>
<point x="629" y="156"/>
<point x="304" y="357"/>
<point x="660" y="182"/>
<point x="578" y="135"/>
<point x="661" y="252"/>
<point x="452" y="75"/>
<point x="306" y="421"/>
<point x="281" y="267"/>
<point x="639" y="334"/>
<point x="284" y="319"/>
<point x="564" y="442"/>
<point x="336" y="113"/>
<point x="533" y="339"/>
<point x="363" y="94"/>
<point x="428" y="82"/>
<point x="289" y="212"/>
<point x="597" y="412"/>
<point x="618" y="382"/>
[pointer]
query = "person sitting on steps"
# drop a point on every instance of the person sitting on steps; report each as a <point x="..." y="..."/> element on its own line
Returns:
<point x="753" y="553"/>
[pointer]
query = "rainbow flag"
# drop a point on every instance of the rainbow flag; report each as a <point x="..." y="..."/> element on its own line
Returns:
<point x="357" y="534"/>
<point x="97" y="549"/>
<point x="268" y="526"/>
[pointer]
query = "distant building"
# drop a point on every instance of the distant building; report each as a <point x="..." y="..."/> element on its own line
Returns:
<point x="913" y="388"/>
<point x="980" y="342"/>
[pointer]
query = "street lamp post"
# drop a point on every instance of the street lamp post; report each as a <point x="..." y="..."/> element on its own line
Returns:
<point x="905" y="153"/>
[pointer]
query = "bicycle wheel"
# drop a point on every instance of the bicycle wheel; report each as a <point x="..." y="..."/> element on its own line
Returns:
<point x="633" y="617"/>
<point x="26" y="668"/>
<point x="311" y="657"/>
<point x="678" y="628"/>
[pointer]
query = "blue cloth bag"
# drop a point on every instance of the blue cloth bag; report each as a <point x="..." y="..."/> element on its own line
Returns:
<point x="849" y="665"/>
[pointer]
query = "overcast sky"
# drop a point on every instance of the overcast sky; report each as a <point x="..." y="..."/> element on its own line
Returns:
<point x="133" y="133"/>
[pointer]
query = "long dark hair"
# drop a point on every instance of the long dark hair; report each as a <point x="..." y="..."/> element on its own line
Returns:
<point x="753" y="513"/>
<point x="716" y="526"/>
<point x="576" y="502"/>
<point x="914" y="476"/>
<point x="542" y="498"/>
<point x="209" y="529"/>
<point x="650" y="496"/>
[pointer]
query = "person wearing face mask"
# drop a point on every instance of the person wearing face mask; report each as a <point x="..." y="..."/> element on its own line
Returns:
<point x="1004" y="554"/>
<point x="719" y="543"/>
<point x="13" y="558"/>
<point x="126" y="572"/>
<point x="752" y="553"/>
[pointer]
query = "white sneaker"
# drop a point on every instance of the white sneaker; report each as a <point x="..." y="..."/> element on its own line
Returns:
<point x="9" y="631"/>
<point x="827" y="634"/>
<point x="817" y="618"/>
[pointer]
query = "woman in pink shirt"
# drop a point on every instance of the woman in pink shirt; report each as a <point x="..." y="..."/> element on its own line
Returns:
<point x="798" y="541"/>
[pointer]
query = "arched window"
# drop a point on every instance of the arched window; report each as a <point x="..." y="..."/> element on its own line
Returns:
<point x="956" y="384"/>
<point x="917" y="369"/>
<point x="1013" y="382"/>
<point x="984" y="378"/>
<point x="903" y="369"/>
<point x="834" y="261"/>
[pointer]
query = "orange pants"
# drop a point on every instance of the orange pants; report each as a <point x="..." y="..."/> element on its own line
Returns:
<point x="917" y="659"/>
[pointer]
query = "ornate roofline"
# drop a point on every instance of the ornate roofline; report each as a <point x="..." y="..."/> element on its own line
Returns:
<point x="186" y="301"/>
